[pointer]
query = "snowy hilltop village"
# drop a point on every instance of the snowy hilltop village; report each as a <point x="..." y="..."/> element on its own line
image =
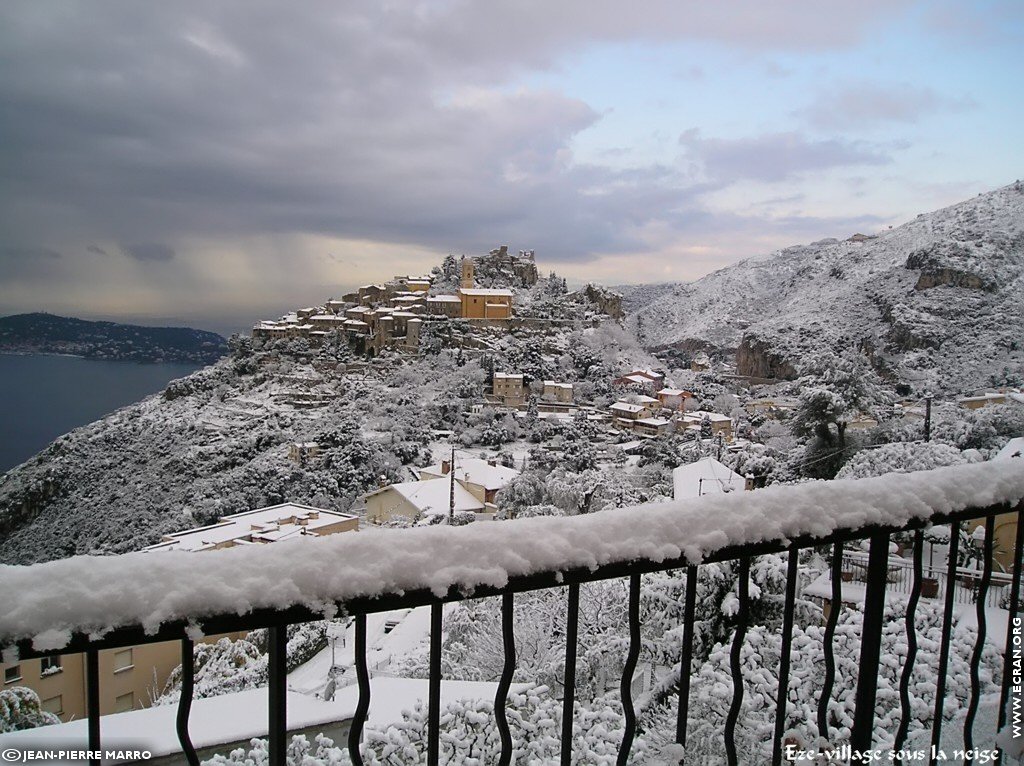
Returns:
<point x="476" y="514"/>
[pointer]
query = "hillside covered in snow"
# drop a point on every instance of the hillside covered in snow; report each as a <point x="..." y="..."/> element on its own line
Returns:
<point x="935" y="303"/>
<point x="218" y="441"/>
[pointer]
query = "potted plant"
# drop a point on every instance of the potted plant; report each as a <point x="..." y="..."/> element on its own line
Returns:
<point x="929" y="583"/>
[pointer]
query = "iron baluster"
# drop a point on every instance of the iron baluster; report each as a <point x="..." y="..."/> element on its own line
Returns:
<point x="947" y="627"/>
<point x="686" y="659"/>
<point x="434" y="692"/>
<point x="911" y="626"/>
<point x="185" y="701"/>
<point x="626" y="686"/>
<point x="277" y="688"/>
<point x="355" y="733"/>
<point x="979" y="644"/>
<point x="735" y="664"/>
<point x="508" y="639"/>
<point x="572" y="619"/>
<point x="792" y="573"/>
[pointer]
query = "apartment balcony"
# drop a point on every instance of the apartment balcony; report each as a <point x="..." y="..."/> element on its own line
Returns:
<point x="89" y="604"/>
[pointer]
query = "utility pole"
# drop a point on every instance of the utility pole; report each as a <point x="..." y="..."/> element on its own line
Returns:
<point x="719" y="458"/>
<point x="928" y="416"/>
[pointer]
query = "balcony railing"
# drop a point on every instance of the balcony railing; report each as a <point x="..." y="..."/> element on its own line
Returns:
<point x="89" y="604"/>
<point x="900" y="573"/>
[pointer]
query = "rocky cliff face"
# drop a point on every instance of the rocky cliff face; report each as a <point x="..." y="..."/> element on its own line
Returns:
<point x="937" y="300"/>
<point x="604" y="300"/>
<point x="756" y="359"/>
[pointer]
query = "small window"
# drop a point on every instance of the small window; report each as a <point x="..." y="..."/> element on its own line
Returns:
<point x="12" y="673"/>
<point x="50" y="665"/>
<point x="124" y="702"/>
<point x="123" y="660"/>
<point x="53" y="705"/>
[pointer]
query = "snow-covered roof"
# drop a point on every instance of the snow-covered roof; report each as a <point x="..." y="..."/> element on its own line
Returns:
<point x="632" y="445"/>
<point x="433" y="497"/>
<point x="654" y="422"/>
<point x="213" y="721"/>
<point x="646" y="373"/>
<point x="1012" y="449"/>
<point x="443" y="299"/>
<point x="45" y="602"/>
<point x="486" y="291"/>
<point x="553" y="384"/>
<point x="642" y="379"/>
<point x="476" y="471"/>
<point x="699" y="415"/>
<point x="276" y="522"/>
<point x="672" y="392"/>
<point x="627" y="407"/>
<point x="705" y="477"/>
<point x="508" y="376"/>
<point x="990" y="396"/>
<point x="644" y="399"/>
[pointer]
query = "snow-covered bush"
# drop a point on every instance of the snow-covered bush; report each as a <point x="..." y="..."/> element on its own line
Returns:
<point x="711" y="690"/>
<point x="236" y="665"/>
<point x="469" y="737"/>
<point x="20" y="709"/>
<point x="900" y="458"/>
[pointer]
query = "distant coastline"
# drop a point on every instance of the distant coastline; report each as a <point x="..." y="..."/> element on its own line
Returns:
<point x="40" y="333"/>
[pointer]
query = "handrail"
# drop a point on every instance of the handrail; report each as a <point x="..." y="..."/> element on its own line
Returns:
<point x="221" y="592"/>
<point x="66" y="606"/>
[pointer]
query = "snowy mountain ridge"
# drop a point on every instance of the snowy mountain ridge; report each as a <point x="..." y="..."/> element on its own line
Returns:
<point x="935" y="303"/>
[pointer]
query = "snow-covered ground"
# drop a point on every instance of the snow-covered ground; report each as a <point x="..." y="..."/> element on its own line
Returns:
<point x="389" y="636"/>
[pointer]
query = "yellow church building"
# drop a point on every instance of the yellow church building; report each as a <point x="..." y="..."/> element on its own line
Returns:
<point x="482" y="302"/>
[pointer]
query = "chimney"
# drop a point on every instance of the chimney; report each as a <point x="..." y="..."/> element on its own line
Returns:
<point x="446" y="467"/>
<point x="748" y="482"/>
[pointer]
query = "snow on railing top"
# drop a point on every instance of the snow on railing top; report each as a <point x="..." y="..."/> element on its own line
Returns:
<point x="92" y="595"/>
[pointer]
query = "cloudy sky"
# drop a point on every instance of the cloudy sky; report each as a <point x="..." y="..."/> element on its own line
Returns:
<point x="216" y="161"/>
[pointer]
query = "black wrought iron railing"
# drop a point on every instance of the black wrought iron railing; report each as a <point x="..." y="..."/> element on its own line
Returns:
<point x="692" y="536"/>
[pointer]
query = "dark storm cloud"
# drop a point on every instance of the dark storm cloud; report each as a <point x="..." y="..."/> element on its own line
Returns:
<point x="20" y="261"/>
<point x="22" y="253"/>
<point x="145" y="122"/>
<point x="96" y="249"/>
<point x="149" y="251"/>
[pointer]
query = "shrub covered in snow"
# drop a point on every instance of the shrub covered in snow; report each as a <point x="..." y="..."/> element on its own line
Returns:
<point x="20" y="709"/>
<point x="469" y="737"/>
